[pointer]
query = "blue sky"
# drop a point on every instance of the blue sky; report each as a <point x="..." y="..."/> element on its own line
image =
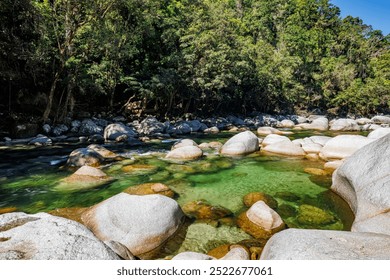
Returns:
<point x="372" y="12"/>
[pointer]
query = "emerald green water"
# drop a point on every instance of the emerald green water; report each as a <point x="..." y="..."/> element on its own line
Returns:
<point x="31" y="185"/>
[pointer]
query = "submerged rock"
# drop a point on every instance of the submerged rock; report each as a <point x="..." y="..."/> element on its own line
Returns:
<point x="301" y="244"/>
<point x="46" y="237"/>
<point x="241" y="144"/>
<point x="139" y="168"/>
<point x="314" y="216"/>
<point x="202" y="210"/>
<point x="150" y="188"/>
<point x="252" y="198"/>
<point x="141" y="223"/>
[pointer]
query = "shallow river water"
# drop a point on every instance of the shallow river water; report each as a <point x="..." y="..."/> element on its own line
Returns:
<point x="29" y="183"/>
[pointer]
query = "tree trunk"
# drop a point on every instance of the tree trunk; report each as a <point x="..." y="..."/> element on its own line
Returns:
<point x="51" y="97"/>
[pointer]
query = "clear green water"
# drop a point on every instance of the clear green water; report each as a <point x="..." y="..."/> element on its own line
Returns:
<point x="30" y="186"/>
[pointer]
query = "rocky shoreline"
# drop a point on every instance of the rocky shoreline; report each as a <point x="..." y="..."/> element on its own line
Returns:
<point x="119" y="130"/>
<point x="137" y="223"/>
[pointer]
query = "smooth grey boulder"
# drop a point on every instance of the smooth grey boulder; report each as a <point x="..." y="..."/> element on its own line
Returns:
<point x="41" y="140"/>
<point x="84" y="156"/>
<point x="364" y="182"/>
<point x="184" y="143"/>
<point x="240" y="144"/>
<point x="89" y="127"/>
<point x="45" y="237"/>
<point x="320" y="123"/>
<point x="141" y="223"/>
<point x="185" y="153"/>
<point x="343" y="146"/>
<point x="286" y="148"/>
<point x="115" y="130"/>
<point x="378" y="133"/>
<point x="273" y="139"/>
<point x="150" y="125"/>
<point x="381" y="119"/>
<point x="304" y="244"/>
<point x="344" y="125"/>
<point x="286" y="124"/>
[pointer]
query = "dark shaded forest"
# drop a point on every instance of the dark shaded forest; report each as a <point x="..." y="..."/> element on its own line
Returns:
<point x="204" y="57"/>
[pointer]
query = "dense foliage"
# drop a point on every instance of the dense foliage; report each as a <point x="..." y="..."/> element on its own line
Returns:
<point x="199" y="56"/>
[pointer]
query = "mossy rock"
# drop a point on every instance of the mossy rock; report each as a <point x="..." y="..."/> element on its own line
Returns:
<point x="316" y="171"/>
<point x="256" y="231"/>
<point x="224" y="163"/>
<point x="252" y="198"/>
<point x="206" y="166"/>
<point x="150" y="188"/>
<point x="181" y="168"/>
<point x="202" y="210"/>
<point x="287" y="211"/>
<point x="139" y="168"/>
<point x="311" y="215"/>
<point x="287" y="196"/>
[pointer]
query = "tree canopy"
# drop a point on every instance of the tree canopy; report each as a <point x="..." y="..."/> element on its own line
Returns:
<point x="180" y="56"/>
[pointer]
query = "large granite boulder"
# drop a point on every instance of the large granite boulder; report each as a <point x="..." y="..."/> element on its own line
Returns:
<point x="150" y="126"/>
<point x="240" y="144"/>
<point x="141" y="223"/>
<point x="364" y="182"/>
<point x="381" y="119"/>
<point x="301" y="244"/>
<point x="46" y="237"/>
<point x="378" y="133"/>
<point x="115" y="130"/>
<point x="273" y="139"/>
<point x="344" y="125"/>
<point x="343" y="146"/>
<point x="89" y="127"/>
<point x="320" y="123"/>
<point x="286" y="148"/>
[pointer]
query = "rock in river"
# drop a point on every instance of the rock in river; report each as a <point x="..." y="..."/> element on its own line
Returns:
<point x="45" y="237"/>
<point x="364" y="182"/>
<point x="302" y="244"/>
<point x="240" y="144"/>
<point x="141" y="223"/>
<point x="185" y="153"/>
<point x="260" y="221"/>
